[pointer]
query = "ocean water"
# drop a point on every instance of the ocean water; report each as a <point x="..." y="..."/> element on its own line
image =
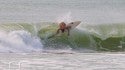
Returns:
<point x="108" y="37"/>
<point x="64" y="61"/>
<point x="26" y="26"/>
<point x="88" y="11"/>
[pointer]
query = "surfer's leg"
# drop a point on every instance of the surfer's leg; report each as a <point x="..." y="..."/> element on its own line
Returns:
<point x="68" y="29"/>
<point x="68" y="32"/>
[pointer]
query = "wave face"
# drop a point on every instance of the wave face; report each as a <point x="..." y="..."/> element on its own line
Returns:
<point x="106" y="37"/>
<point x="24" y="37"/>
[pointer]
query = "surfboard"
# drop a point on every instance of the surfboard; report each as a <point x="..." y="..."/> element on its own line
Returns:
<point x="74" y="24"/>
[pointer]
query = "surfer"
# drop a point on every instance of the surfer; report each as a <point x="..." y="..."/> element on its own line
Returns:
<point x="63" y="28"/>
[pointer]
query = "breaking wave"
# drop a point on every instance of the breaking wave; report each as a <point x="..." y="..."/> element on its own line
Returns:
<point x="19" y="41"/>
<point x="24" y="37"/>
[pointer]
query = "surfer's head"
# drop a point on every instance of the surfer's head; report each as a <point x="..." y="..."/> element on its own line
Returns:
<point x="62" y="25"/>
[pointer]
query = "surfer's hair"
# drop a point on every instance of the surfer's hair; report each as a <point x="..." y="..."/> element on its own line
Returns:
<point x="62" y="25"/>
<point x="71" y="22"/>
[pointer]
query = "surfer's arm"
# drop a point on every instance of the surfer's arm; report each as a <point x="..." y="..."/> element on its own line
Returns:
<point x="57" y="32"/>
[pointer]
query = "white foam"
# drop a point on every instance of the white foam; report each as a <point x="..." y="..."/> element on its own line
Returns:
<point x="19" y="41"/>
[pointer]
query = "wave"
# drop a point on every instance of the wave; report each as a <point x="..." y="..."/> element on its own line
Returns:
<point x="24" y="37"/>
<point x="19" y="41"/>
<point x="106" y="37"/>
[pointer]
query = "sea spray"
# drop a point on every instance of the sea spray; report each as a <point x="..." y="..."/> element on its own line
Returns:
<point x="66" y="17"/>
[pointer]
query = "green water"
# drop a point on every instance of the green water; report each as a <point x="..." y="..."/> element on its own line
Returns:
<point x="103" y="37"/>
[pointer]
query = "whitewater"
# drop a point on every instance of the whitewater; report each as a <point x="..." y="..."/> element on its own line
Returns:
<point x="75" y="61"/>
